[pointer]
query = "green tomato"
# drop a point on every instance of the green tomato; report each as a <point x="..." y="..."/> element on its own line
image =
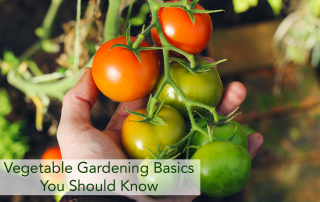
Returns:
<point x="222" y="132"/>
<point x="205" y="87"/>
<point x="167" y="182"/>
<point x="224" y="168"/>
<point x="136" y="136"/>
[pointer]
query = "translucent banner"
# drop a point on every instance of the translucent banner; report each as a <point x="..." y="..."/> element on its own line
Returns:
<point x="100" y="177"/>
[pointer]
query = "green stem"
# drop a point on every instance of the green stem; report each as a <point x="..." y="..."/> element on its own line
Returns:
<point x="142" y="35"/>
<point x="111" y="26"/>
<point x="49" y="18"/>
<point x="77" y="38"/>
<point x="127" y="19"/>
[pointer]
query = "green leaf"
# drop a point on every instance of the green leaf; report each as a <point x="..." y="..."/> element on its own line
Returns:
<point x="5" y="106"/>
<point x="157" y="121"/>
<point x="315" y="7"/>
<point x="141" y="17"/>
<point x="137" y="54"/>
<point x="136" y="113"/>
<point x="207" y="11"/>
<point x="120" y="45"/>
<point x="149" y="102"/>
<point x="241" y="6"/>
<point x="183" y="63"/>
<point x="129" y="42"/>
<point x="160" y="105"/>
<point x="234" y="133"/>
<point x="153" y="154"/>
<point x="194" y="3"/>
<point x="158" y="151"/>
<point x="276" y="6"/>
<point x="207" y="66"/>
<point x="10" y="58"/>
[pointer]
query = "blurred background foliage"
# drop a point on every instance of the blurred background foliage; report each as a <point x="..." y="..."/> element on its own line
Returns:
<point x="272" y="46"/>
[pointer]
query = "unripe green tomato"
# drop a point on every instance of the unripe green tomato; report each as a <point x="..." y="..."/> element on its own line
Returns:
<point x="224" y="170"/>
<point x="205" y="87"/>
<point x="137" y="136"/>
<point x="222" y="132"/>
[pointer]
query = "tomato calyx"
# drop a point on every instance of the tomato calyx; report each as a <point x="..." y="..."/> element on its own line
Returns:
<point x="155" y="119"/>
<point x="134" y="46"/>
<point x="189" y="8"/>
<point x="169" y="154"/>
<point x="198" y="68"/>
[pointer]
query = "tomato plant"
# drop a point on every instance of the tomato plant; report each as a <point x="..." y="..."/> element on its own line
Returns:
<point x="221" y="132"/>
<point x="224" y="168"/>
<point x="167" y="182"/>
<point x="136" y="136"/>
<point x="119" y="74"/>
<point x="204" y="87"/>
<point x="180" y="31"/>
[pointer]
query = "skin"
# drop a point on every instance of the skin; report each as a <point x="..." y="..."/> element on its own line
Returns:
<point x="78" y="139"/>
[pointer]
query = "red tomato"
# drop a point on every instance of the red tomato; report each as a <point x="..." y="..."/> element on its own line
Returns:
<point x="52" y="153"/>
<point x="118" y="73"/>
<point x="180" y="31"/>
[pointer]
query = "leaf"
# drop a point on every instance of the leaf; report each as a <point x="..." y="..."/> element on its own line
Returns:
<point x="183" y="63"/>
<point x="137" y="54"/>
<point x="5" y="107"/>
<point x="136" y="113"/>
<point x="241" y="6"/>
<point x="207" y="11"/>
<point x="157" y="121"/>
<point x="315" y="7"/>
<point x="206" y="66"/>
<point x="160" y="105"/>
<point x="234" y="133"/>
<point x="10" y="58"/>
<point x="129" y="42"/>
<point x="141" y="17"/>
<point x="119" y="45"/>
<point x="276" y="6"/>
<point x="149" y="102"/>
<point x="153" y="154"/>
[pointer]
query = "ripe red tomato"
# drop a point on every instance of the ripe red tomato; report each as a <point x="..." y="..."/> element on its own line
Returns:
<point x="118" y="73"/>
<point x="52" y="153"/>
<point x="180" y="31"/>
<point x="48" y="155"/>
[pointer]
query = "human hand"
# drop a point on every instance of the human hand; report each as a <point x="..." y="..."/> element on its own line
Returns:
<point x="79" y="140"/>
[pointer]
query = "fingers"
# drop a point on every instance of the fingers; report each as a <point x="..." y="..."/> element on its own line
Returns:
<point x="233" y="96"/>
<point x="255" y="141"/>
<point x="77" y="104"/>
<point x="120" y="114"/>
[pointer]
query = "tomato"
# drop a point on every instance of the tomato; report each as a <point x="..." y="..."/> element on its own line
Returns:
<point x="118" y="73"/>
<point x="224" y="168"/>
<point x="205" y="87"/>
<point x="167" y="181"/>
<point x="135" y="136"/>
<point x="222" y="132"/>
<point x="51" y="154"/>
<point x="180" y="31"/>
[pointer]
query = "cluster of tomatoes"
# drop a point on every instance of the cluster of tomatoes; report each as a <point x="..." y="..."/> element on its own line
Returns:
<point x="121" y="76"/>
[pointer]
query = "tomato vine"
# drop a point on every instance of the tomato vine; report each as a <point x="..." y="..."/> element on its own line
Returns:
<point x="166" y="47"/>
